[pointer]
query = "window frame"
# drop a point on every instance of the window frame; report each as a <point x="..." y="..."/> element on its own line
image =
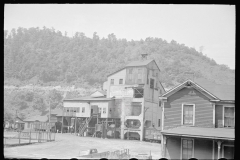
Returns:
<point x="130" y="75"/>
<point x="227" y="145"/>
<point x="159" y="122"/>
<point x="104" y="109"/>
<point x="139" y="75"/>
<point x="193" y="114"/>
<point x="151" y="79"/>
<point x="120" y="81"/>
<point x="83" y="109"/>
<point x="224" y="117"/>
<point x="112" y="81"/>
<point x="181" y="155"/>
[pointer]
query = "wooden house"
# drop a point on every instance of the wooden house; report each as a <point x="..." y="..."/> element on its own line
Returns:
<point x="199" y="121"/>
<point x="135" y="90"/>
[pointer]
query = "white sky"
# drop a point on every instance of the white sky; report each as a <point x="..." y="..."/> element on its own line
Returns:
<point x="210" y="26"/>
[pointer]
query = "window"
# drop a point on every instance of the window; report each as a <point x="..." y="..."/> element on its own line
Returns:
<point x="104" y="110"/>
<point x="83" y="110"/>
<point x="139" y="75"/>
<point x="28" y="124"/>
<point x="151" y="83"/>
<point x="159" y="122"/>
<point x="188" y="115"/>
<point x="229" y="113"/>
<point x="130" y="74"/>
<point x="187" y="148"/>
<point x="160" y="103"/>
<point x="112" y="81"/>
<point x="99" y="110"/>
<point x="78" y="109"/>
<point x="228" y="151"/>
<point x="120" y="81"/>
<point x="138" y="93"/>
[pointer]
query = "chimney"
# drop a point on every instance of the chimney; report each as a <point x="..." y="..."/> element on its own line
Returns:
<point x="144" y="56"/>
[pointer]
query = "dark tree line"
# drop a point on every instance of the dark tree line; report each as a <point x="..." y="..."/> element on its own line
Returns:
<point x="46" y="55"/>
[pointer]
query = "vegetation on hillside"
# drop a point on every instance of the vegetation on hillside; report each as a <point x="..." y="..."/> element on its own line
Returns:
<point x="47" y="57"/>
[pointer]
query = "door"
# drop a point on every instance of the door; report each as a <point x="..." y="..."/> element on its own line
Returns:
<point x="228" y="152"/>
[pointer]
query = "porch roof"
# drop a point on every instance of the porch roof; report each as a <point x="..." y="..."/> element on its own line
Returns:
<point x="200" y="132"/>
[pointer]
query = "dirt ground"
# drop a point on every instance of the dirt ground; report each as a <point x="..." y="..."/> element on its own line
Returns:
<point x="67" y="146"/>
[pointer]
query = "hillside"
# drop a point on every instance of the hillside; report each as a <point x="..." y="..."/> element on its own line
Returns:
<point x="46" y="57"/>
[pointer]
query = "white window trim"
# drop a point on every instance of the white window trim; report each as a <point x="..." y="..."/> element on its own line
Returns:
<point x="182" y="147"/>
<point x="193" y="114"/>
<point x="228" y="145"/>
<point x="223" y="115"/>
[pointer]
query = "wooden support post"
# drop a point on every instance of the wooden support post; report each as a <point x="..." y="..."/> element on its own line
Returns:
<point x="62" y="120"/>
<point x="19" y="136"/>
<point x="30" y="136"/>
<point x="75" y="129"/>
<point x="219" y="147"/>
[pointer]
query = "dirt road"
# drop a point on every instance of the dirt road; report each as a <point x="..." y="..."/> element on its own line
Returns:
<point x="67" y="146"/>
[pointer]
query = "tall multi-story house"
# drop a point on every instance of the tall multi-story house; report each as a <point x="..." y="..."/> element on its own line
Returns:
<point x="131" y="103"/>
<point x="135" y="89"/>
<point x="199" y="121"/>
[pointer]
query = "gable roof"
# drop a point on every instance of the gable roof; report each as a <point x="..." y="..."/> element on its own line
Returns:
<point x="100" y="91"/>
<point x="18" y="120"/>
<point x="216" y="91"/>
<point x="223" y="92"/>
<point x="136" y="64"/>
<point x="139" y="63"/>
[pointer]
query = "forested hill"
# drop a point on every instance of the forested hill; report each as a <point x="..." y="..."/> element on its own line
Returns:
<point x="46" y="56"/>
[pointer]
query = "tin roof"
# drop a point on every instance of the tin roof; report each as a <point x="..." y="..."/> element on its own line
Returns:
<point x="217" y="91"/>
<point x="223" y="92"/>
<point x="135" y="64"/>
<point x="37" y="118"/>
<point x="200" y="132"/>
<point x="139" y="63"/>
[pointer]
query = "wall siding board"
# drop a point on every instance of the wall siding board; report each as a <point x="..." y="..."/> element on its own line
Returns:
<point x="203" y="108"/>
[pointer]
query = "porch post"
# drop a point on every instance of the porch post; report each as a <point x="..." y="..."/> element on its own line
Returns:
<point x="164" y="146"/>
<point x="219" y="147"/>
<point x="62" y="120"/>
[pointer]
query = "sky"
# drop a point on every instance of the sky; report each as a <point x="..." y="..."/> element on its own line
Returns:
<point x="207" y="28"/>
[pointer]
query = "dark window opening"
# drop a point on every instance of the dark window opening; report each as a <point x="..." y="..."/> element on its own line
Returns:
<point x="120" y="81"/>
<point x="139" y="75"/>
<point x="151" y="83"/>
<point x="159" y="122"/>
<point x="130" y="74"/>
<point x="188" y="115"/>
<point x="112" y="81"/>
<point x="138" y="93"/>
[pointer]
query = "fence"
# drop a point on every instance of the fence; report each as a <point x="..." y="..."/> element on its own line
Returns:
<point x="118" y="154"/>
<point x="27" y="137"/>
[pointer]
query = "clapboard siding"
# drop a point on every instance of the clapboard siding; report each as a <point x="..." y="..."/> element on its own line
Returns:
<point x="173" y="108"/>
